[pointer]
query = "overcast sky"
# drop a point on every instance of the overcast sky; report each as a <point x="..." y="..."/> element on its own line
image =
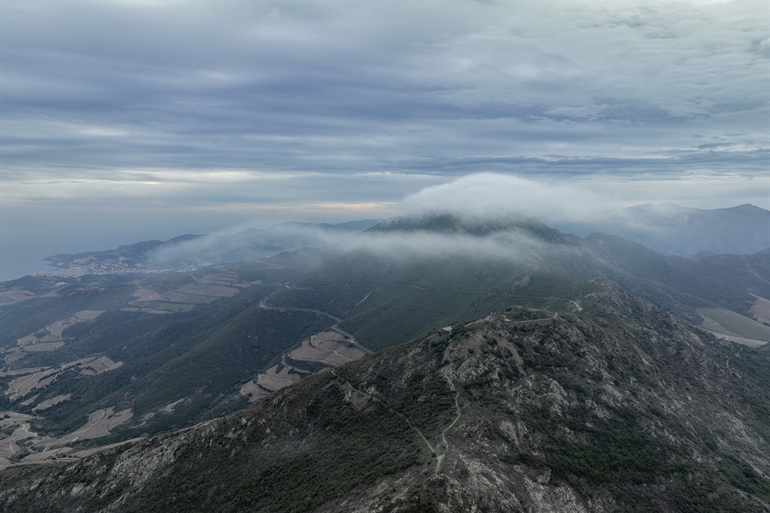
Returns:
<point x="125" y="120"/>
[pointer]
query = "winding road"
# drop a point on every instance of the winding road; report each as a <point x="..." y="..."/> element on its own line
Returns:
<point x="263" y="305"/>
<point x="444" y="444"/>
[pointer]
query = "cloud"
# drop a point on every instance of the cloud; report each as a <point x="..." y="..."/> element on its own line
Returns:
<point x="576" y="206"/>
<point x="251" y="243"/>
<point x="488" y="195"/>
<point x="321" y="86"/>
<point x="190" y="105"/>
<point x="510" y="245"/>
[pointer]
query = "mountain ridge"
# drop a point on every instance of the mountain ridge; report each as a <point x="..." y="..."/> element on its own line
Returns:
<point x="672" y="229"/>
<point x="187" y="347"/>
<point x="524" y="410"/>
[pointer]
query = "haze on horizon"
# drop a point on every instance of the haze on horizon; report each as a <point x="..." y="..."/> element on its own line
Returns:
<point x="130" y="120"/>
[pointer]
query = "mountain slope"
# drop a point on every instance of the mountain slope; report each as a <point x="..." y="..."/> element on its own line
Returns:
<point x="724" y="280"/>
<point x="172" y="350"/>
<point x="619" y="407"/>
<point x="171" y="368"/>
<point x="406" y="276"/>
<point x="683" y="231"/>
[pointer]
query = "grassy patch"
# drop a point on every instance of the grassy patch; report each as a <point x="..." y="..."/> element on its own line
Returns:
<point x="729" y="323"/>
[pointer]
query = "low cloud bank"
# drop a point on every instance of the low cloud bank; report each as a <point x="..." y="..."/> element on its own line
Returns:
<point x="405" y="247"/>
<point x="254" y="244"/>
<point x="491" y="215"/>
<point x="596" y="206"/>
<point x="493" y="196"/>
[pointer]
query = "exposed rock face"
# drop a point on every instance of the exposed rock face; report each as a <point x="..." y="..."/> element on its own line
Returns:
<point x="618" y="408"/>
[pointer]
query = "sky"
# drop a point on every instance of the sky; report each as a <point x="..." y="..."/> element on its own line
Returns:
<point x="128" y="120"/>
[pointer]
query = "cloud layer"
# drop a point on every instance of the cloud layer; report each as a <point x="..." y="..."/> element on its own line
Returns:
<point x="295" y="109"/>
<point x="93" y="88"/>
<point x="488" y="195"/>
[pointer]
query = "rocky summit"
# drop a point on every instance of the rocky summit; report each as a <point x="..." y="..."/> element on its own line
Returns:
<point x="617" y="407"/>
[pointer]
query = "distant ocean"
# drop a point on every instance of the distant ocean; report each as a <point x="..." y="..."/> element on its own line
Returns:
<point x="15" y="270"/>
<point x="14" y="265"/>
<point x="21" y="256"/>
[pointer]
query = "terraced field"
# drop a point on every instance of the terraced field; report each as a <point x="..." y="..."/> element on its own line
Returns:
<point x="321" y="351"/>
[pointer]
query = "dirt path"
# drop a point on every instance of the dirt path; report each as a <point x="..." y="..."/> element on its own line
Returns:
<point x="389" y="407"/>
<point x="740" y="340"/>
<point x="365" y="298"/>
<point x="19" y="422"/>
<point x="444" y="443"/>
<point x="433" y="450"/>
<point x="353" y="339"/>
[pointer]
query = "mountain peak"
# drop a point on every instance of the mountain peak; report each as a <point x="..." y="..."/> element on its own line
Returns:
<point x="450" y="223"/>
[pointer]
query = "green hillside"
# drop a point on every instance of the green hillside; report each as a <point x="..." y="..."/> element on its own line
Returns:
<point x="179" y="346"/>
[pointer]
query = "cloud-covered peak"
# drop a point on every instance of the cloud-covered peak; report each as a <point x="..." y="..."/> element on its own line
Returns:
<point x="497" y="196"/>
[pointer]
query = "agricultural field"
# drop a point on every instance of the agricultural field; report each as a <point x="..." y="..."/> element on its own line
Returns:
<point x="734" y="325"/>
<point x="321" y="351"/>
<point x="760" y="309"/>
